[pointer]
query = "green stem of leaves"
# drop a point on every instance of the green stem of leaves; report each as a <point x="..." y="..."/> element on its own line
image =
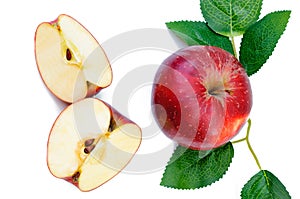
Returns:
<point x="233" y="46"/>
<point x="248" y="144"/>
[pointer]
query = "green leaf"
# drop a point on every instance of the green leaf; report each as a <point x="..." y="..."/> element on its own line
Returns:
<point x="264" y="185"/>
<point x="230" y="17"/>
<point x="260" y="40"/>
<point x="190" y="169"/>
<point x="198" y="33"/>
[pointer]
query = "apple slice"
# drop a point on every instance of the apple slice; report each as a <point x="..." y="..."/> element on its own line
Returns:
<point x="71" y="62"/>
<point x="90" y="143"/>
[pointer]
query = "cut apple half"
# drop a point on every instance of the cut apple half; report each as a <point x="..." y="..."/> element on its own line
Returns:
<point x="71" y="62"/>
<point x="90" y="143"/>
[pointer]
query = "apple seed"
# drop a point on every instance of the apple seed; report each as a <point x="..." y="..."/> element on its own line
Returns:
<point x="89" y="142"/>
<point x="88" y="149"/>
<point x="68" y="54"/>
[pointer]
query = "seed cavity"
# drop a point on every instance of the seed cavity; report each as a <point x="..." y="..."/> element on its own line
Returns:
<point x="68" y="54"/>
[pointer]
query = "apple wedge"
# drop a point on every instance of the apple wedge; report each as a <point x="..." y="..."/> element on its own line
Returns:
<point x="71" y="62"/>
<point x="90" y="143"/>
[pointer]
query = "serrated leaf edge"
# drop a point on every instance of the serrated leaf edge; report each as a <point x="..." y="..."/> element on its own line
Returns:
<point x="252" y="73"/>
<point x="183" y="21"/>
<point x="268" y="184"/>
<point x="170" y="187"/>
<point x="191" y="21"/>
<point x="267" y="179"/>
<point x="205" y="43"/>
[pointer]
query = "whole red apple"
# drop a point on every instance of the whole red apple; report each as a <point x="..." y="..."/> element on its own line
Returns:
<point x="201" y="97"/>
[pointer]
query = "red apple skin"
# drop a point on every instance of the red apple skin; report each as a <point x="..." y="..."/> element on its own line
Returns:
<point x="70" y="180"/>
<point x="201" y="97"/>
<point x="92" y="89"/>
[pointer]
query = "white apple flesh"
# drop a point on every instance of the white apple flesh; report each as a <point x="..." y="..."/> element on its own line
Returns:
<point x="71" y="62"/>
<point x="90" y="143"/>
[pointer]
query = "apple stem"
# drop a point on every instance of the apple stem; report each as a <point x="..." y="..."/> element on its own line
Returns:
<point x="248" y="144"/>
<point x="233" y="46"/>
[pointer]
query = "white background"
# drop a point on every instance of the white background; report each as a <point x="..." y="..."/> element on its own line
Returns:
<point x="28" y="110"/>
